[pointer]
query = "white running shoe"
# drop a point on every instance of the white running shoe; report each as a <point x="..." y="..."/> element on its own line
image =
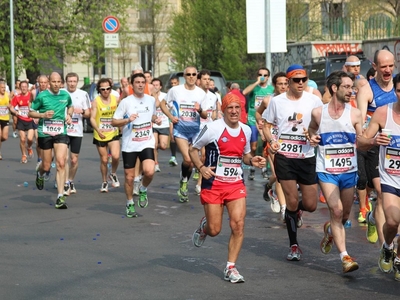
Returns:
<point x="136" y="185"/>
<point x="197" y="189"/>
<point x="275" y="206"/>
<point x="232" y="274"/>
<point x="157" y="168"/>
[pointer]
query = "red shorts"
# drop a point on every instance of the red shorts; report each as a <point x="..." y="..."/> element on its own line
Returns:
<point x="220" y="196"/>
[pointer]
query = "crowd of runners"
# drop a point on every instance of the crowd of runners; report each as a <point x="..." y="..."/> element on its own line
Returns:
<point x="335" y="147"/>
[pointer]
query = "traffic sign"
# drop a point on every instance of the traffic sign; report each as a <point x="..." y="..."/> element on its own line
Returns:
<point x="111" y="40"/>
<point x="111" y="24"/>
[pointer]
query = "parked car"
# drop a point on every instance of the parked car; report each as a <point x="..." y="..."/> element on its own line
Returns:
<point x="319" y="68"/>
<point x="92" y="91"/>
<point x="219" y="80"/>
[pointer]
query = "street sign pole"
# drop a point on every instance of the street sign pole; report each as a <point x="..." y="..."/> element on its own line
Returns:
<point x="111" y="39"/>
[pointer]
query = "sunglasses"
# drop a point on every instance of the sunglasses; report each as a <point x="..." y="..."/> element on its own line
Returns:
<point x="191" y="74"/>
<point x="297" y="80"/>
<point x="105" y="89"/>
<point x="265" y="75"/>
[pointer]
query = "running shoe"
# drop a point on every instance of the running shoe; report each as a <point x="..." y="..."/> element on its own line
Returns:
<point x="348" y="264"/>
<point x="275" y="206"/>
<point x="372" y="233"/>
<point x="130" y="211"/>
<point x="30" y="153"/>
<point x="67" y="190"/>
<point x="199" y="236"/>
<point x="46" y="176"/>
<point x="232" y="274"/>
<point x="299" y="218"/>
<point x="373" y="195"/>
<point x="327" y="241"/>
<point x="362" y="215"/>
<point x="183" y="192"/>
<point x="173" y="162"/>
<point x="267" y="188"/>
<point x="282" y="213"/>
<point x="196" y="174"/>
<point x="114" y="180"/>
<point x="38" y="166"/>
<point x="321" y="197"/>
<point x="252" y="173"/>
<point x="72" y="188"/>
<point x="197" y="190"/>
<point x="60" y="203"/>
<point x="136" y="185"/>
<point x="24" y="159"/>
<point x="294" y="254"/>
<point x="264" y="173"/>
<point x="385" y="261"/>
<point x="143" y="201"/>
<point x="39" y="182"/>
<point x="104" y="187"/>
<point x="396" y="268"/>
<point x="157" y="168"/>
<point x="15" y="134"/>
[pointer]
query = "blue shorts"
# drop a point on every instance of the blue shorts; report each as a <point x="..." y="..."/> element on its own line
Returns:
<point x="189" y="136"/>
<point x="343" y="181"/>
<point x="390" y="189"/>
<point x="254" y="133"/>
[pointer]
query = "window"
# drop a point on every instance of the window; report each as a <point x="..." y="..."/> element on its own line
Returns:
<point x="145" y="14"/>
<point x="146" y="57"/>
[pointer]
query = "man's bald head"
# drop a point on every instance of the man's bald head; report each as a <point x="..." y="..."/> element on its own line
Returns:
<point x="381" y="55"/>
<point x="55" y="82"/>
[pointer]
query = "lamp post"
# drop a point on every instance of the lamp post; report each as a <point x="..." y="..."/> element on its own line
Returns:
<point x="12" y="45"/>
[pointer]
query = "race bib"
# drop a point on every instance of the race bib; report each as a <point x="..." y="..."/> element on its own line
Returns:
<point x="160" y="114"/>
<point x="141" y="132"/>
<point x="292" y="146"/>
<point x="105" y="125"/>
<point x="340" y="160"/>
<point x="187" y="112"/>
<point x="392" y="161"/>
<point x="53" y="127"/>
<point x="257" y="101"/>
<point x="3" y="111"/>
<point x="209" y="115"/>
<point x="71" y="128"/>
<point x="23" y="111"/>
<point x="229" y="169"/>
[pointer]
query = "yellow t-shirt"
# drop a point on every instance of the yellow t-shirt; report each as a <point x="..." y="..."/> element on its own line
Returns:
<point x="104" y="115"/>
<point x="4" y="103"/>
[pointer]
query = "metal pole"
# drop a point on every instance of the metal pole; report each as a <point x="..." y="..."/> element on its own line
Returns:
<point x="12" y="45"/>
<point x="268" y="35"/>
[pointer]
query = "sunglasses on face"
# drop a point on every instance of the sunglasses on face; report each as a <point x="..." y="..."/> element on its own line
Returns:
<point x="265" y="75"/>
<point x="191" y="74"/>
<point x="297" y="80"/>
<point x="105" y="89"/>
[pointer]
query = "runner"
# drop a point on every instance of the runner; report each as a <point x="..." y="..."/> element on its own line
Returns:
<point x="136" y="113"/>
<point x="173" y="81"/>
<point x="54" y="109"/>
<point x="227" y="144"/>
<point x="334" y="128"/>
<point x="81" y="103"/>
<point x="294" y="157"/>
<point x="186" y="102"/>
<point x="20" y="107"/>
<point x="105" y="135"/>
<point x="4" y="114"/>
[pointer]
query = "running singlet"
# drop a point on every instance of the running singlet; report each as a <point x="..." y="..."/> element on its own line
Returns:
<point x="4" y="103"/>
<point x="58" y="103"/>
<point x="22" y="101"/>
<point x="209" y="104"/>
<point x="160" y="114"/>
<point x="257" y="96"/>
<point x="292" y="117"/>
<point x="182" y="102"/>
<point x="225" y="148"/>
<point x="389" y="156"/>
<point x="104" y="115"/>
<point x="80" y="99"/>
<point x="336" y="153"/>
<point x="137" y="135"/>
<point x="380" y="97"/>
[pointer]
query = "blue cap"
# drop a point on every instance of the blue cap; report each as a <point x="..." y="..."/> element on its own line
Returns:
<point x="312" y="83"/>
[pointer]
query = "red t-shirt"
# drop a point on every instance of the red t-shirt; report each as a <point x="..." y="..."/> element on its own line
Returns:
<point x="21" y="103"/>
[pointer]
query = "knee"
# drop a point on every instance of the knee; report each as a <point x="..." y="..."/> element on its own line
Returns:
<point x="163" y="146"/>
<point x="104" y="160"/>
<point x="186" y="161"/>
<point x="129" y="179"/>
<point x="337" y="214"/>
<point x="213" y="230"/>
<point x="74" y="161"/>
<point x="237" y="226"/>
<point x="149" y="173"/>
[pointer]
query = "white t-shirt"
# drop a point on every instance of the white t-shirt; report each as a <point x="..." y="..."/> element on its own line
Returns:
<point x="160" y="114"/>
<point x="80" y="99"/>
<point x="137" y="135"/>
<point x="209" y="104"/>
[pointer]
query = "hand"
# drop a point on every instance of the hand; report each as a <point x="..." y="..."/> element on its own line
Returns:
<point x="133" y="117"/>
<point x="68" y="119"/>
<point x="48" y="114"/>
<point x="275" y="146"/>
<point x="197" y="106"/>
<point x="101" y="135"/>
<point x="158" y="121"/>
<point x="382" y="139"/>
<point x="259" y="161"/>
<point x="78" y="110"/>
<point x="260" y="124"/>
<point x="174" y="120"/>
<point x="207" y="172"/>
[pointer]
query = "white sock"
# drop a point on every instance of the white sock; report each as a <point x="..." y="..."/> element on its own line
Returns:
<point x="137" y="179"/>
<point x="343" y="254"/>
<point x="390" y="247"/>
<point x="184" y="179"/>
<point x="371" y="218"/>
<point x="129" y="202"/>
<point x="229" y="264"/>
<point x="142" y="188"/>
<point x="60" y="195"/>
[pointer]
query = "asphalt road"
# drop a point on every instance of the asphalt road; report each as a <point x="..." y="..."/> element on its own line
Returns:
<point x="92" y="251"/>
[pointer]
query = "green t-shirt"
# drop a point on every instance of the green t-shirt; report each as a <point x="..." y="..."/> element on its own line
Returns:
<point x="256" y="96"/>
<point x="58" y="103"/>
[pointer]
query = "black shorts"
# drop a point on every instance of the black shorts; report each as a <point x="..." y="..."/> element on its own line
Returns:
<point x="4" y="123"/>
<point x="390" y="189"/>
<point x="35" y="125"/>
<point x="364" y="177"/>
<point x="372" y="164"/>
<point x="46" y="143"/>
<point x="161" y="131"/>
<point x="301" y="170"/>
<point x="129" y="158"/>
<point x="104" y="143"/>
<point x="75" y="143"/>
<point x="24" y="125"/>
